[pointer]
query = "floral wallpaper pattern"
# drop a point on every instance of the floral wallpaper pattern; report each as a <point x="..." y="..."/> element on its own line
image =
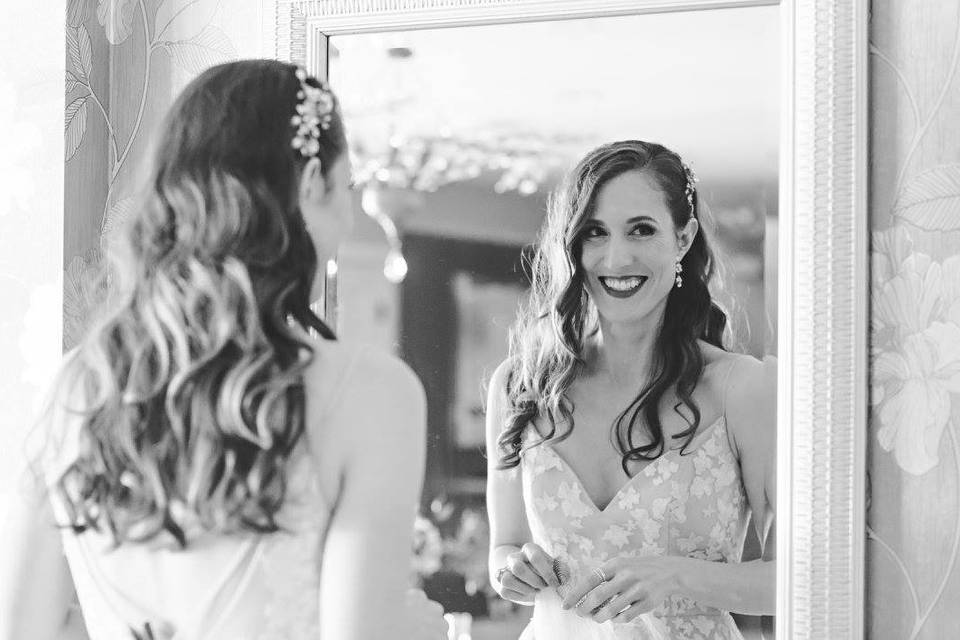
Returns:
<point x="914" y="451"/>
<point x="181" y="30"/>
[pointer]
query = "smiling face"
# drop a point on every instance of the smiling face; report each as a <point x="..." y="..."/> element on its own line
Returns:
<point x="630" y="248"/>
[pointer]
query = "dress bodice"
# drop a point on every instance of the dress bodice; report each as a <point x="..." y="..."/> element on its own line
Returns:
<point x="242" y="587"/>
<point x="687" y="502"/>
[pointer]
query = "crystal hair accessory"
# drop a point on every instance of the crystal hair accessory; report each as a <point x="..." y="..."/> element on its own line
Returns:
<point x="690" y="189"/>
<point x="314" y="113"/>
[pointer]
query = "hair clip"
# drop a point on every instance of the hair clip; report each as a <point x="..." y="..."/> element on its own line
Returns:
<point x="689" y="190"/>
<point x="314" y="112"/>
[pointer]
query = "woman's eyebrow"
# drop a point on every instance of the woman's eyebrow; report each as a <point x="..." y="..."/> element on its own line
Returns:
<point x="637" y="219"/>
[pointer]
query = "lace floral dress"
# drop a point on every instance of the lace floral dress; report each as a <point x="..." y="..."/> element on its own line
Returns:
<point x="690" y="505"/>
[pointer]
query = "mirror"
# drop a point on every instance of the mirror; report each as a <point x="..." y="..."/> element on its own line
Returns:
<point x="458" y="135"/>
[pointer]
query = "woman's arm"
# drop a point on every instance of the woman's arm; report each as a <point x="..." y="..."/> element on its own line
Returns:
<point x="529" y="568"/>
<point x="751" y="412"/>
<point x="380" y="427"/>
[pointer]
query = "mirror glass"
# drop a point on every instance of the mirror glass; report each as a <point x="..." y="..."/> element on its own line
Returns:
<point x="458" y="135"/>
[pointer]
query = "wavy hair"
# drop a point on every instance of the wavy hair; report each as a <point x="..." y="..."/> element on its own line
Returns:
<point x="187" y="390"/>
<point x="548" y="340"/>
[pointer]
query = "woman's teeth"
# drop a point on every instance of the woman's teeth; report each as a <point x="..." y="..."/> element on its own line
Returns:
<point x="622" y="284"/>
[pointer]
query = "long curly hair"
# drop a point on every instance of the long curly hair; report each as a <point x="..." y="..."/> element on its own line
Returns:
<point x="548" y="340"/>
<point x="186" y="393"/>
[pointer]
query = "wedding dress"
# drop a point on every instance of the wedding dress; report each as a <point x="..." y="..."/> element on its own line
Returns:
<point x="242" y="587"/>
<point x="245" y="586"/>
<point x="691" y="505"/>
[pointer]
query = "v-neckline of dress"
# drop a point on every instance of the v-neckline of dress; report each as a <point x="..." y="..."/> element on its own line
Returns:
<point x="629" y="482"/>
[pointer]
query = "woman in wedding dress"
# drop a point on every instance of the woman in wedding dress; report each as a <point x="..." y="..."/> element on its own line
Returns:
<point x="219" y="465"/>
<point x="627" y="447"/>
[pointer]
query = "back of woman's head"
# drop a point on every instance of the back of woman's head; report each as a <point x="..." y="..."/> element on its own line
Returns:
<point x="186" y="393"/>
<point x="225" y="177"/>
<point x="549" y="340"/>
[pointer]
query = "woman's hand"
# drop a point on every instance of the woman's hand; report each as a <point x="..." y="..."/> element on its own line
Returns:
<point x="527" y="571"/>
<point x="624" y="588"/>
<point x="426" y="617"/>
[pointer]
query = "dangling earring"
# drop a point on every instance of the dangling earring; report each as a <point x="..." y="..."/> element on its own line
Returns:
<point x="678" y="269"/>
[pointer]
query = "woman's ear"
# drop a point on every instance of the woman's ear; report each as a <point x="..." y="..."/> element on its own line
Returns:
<point x="312" y="188"/>
<point x="687" y="235"/>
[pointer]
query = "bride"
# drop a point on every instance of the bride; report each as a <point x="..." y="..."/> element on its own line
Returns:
<point x="218" y="464"/>
<point x="627" y="447"/>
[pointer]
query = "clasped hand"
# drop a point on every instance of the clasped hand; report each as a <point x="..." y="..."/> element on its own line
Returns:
<point x="632" y="586"/>
<point x="528" y="571"/>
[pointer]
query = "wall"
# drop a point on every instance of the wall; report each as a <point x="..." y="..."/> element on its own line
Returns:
<point x="913" y="580"/>
<point x="126" y="61"/>
<point x="31" y="219"/>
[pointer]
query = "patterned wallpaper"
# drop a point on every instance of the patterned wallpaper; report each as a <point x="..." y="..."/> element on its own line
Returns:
<point x="913" y="579"/>
<point x="126" y="61"/>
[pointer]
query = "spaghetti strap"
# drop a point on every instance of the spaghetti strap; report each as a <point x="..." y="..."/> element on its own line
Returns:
<point x="726" y="388"/>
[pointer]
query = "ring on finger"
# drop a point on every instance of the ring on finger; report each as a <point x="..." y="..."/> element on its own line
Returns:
<point x="600" y="574"/>
<point x="499" y="574"/>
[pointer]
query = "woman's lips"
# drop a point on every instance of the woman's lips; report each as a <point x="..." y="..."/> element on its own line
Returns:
<point x="622" y="286"/>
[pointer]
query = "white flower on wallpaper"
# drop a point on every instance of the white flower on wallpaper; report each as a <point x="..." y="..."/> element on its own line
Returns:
<point x="912" y="388"/>
<point x="911" y="297"/>
<point x="951" y="290"/>
<point x="916" y="323"/>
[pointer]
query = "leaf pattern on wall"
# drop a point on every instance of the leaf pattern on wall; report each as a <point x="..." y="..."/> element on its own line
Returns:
<point x="183" y="20"/>
<point x="74" y="125"/>
<point x="73" y="51"/>
<point x="79" y="294"/>
<point x="915" y="339"/>
<point x="76" y="12"/>
<point x="208" y="48"/>
<point x="85" y="51"/>
<point x="931" y="200"/>
<point x="71" y="82"/>
<point x="116" y="16"/>
<point x="114" y="220"/>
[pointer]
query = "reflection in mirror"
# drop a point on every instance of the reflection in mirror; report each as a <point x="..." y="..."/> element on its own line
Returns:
<point x="458" y="136"/>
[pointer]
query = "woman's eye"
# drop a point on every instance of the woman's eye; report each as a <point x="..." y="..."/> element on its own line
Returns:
<point x="592" y="232"/>
<point x="644" y="230"/>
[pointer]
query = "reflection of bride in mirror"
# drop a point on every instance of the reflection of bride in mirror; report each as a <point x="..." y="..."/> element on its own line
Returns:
<point x="627" y="446"/>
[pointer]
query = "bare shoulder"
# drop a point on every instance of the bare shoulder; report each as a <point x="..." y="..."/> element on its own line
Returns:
<point x="497" y="399"/>
<point x="751" y="402"/>
<point x="360" y="388"/>
<point x="360" y="369"/>
<point x="500" y="377"/>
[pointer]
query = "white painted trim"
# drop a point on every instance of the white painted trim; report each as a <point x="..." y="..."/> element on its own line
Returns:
<point x="823" y="315"/>
<point x="364" y="16"/>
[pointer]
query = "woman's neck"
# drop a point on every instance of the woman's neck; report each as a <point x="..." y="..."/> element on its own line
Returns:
<point x="625" y="352"/>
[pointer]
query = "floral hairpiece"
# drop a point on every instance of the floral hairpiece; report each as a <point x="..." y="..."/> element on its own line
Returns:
<point x="690" y="189"/>
<point x="314" y="112"/>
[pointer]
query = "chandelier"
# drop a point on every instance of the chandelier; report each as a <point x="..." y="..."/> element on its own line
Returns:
<point x="395" y="164"/>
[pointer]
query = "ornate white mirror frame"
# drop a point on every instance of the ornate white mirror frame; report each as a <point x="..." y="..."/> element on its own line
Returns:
<point x="823" y="274"/>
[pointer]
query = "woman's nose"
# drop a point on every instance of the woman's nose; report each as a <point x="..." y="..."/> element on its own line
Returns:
<point x="618" y="255"/>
